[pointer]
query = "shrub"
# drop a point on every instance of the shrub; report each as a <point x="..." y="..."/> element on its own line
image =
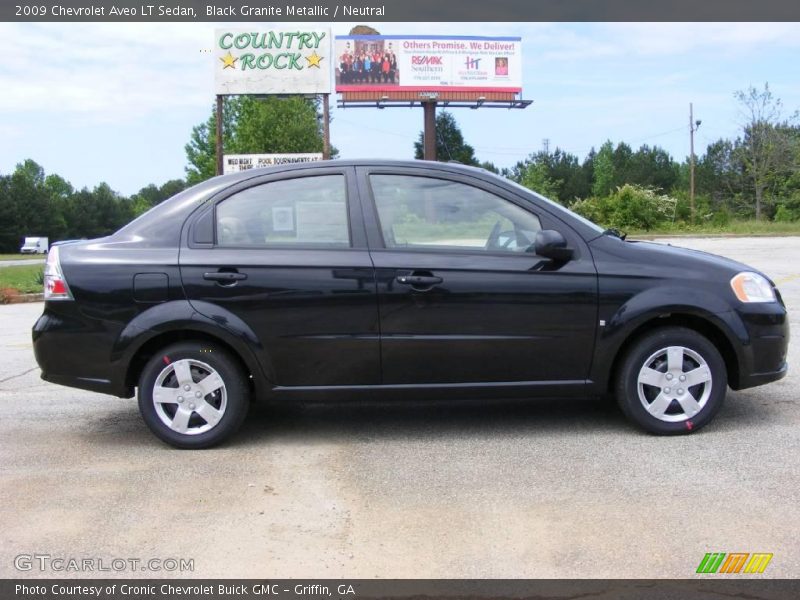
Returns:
<point x="593" y="209"/>
<point x="636" y="207"/>
<point x="785" y="215"/>
<point x="721" y="217"/>
<point x="629" y="207"/>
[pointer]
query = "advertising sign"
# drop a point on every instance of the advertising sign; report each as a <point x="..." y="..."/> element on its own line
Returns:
<point x="290" y="61"/>
<point x="233" y="163"/>
<point x="427" y="63"/>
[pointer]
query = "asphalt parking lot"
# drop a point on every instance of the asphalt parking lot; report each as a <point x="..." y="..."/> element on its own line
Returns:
<point x="467" y="490"/>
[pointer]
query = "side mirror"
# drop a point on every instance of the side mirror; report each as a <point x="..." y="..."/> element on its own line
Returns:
<point x="550" y="243"/>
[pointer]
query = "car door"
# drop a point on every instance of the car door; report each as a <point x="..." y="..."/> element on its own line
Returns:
<point x="462" y="298"/>
<point x="286" y="255"/>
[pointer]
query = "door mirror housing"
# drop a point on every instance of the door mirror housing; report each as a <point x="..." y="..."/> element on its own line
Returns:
<point x="550" y="243"/>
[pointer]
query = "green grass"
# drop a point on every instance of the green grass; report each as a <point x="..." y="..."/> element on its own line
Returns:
<point x="750" y="227"/>
<point x="22" y="278"/>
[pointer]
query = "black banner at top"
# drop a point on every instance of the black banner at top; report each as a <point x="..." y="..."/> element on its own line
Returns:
<point x="369" y="11"/>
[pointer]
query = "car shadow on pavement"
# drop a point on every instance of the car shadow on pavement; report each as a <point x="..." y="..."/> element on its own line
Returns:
<point x="421" y="420"/>
<point x="337" y="422"/>
<point x="341" y="421"/>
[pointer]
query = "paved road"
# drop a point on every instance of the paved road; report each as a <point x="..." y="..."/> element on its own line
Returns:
<point x="537" y="489"/>
<point x="22" y="261"/>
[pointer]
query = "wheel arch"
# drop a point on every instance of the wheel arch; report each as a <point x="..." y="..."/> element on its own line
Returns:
<point x="150" y="347"/>
<point x="176" y="321"/>
<point x="701" y="324"/>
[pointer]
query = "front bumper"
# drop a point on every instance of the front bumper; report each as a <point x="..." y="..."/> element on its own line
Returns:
<point x="764" y="336"/>
<point x="754" y="379"/>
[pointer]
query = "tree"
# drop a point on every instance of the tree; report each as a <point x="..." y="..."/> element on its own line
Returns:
<point x="765" y="147"/>
<point x="9" y="218"/>
<point x="275" y="125"/>
<point x="719" y="174"/>
<point x="201" y="149"/>
<point x="151" y="195"/>
<point x="450" y="144"/>
<point x="604" y="175"/>
<point x="253" y="126"/>
<point x="38" y="201"/>
<point x="538" y="172"/>
<point x="652" y="168"/>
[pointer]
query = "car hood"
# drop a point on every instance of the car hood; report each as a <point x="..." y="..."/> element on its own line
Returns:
<point x="702" y="264"/>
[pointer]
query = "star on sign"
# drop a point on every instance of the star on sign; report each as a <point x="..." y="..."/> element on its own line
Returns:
<point x="229" y="60"/>
<point x="313" y="60"/>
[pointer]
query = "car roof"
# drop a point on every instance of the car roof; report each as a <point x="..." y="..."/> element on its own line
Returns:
<point x="453" y="167"/>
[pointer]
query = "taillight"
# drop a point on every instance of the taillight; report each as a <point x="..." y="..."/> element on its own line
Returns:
<point x="55" y="286"/>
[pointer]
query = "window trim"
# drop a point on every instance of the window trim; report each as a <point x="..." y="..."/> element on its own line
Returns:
<point x="356" y="223"/>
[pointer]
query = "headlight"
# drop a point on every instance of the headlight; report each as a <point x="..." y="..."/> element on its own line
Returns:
<point x="752" y="287"/>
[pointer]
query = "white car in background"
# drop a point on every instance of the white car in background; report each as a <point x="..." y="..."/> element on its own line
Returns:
<point x="34" y="245"/>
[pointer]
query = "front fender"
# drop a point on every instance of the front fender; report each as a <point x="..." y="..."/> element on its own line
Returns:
<point x="665" y="302"/>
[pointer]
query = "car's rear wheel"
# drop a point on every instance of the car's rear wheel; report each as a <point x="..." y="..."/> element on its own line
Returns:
<point x="672" y="381"/>
<point x="193" y="395"/>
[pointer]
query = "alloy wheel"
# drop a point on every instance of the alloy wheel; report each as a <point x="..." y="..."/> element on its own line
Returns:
<point x="189" y="396"/>
<point x="674" y="384"/>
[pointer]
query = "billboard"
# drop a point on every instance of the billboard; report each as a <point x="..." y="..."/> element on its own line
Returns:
<point x="233" y="163"/>
<point x="383" y="63"/>
<point x="273" y="61"/>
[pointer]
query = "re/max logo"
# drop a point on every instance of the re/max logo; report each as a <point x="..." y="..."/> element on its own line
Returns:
<point x="735" y="562"/>
<point x="426" y="60"/>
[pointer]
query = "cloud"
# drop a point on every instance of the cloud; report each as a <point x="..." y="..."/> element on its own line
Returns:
<point x="104" y="72"/>
<point x="638" y="40"/>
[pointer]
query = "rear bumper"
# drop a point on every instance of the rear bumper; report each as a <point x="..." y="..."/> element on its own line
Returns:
<point x="101" y="386"/>
<point x="74" y="351"/>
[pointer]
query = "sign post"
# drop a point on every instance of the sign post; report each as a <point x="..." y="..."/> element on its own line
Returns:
<point x="326" y="127"/>
<point x="219" y="148"/>
<point x="429" y="135"/>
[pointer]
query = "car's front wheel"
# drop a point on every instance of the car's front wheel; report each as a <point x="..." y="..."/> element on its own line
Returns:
<point x="672" y="381"/>
<point x="193" y="395"/>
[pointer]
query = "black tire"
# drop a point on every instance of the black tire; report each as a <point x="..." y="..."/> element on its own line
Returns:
<point x="197" y="360"/>
<point x="686" y="350"/>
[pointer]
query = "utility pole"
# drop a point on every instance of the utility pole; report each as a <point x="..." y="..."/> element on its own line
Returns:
<point x="546" y="145"/>
<point x="693" y="126"/>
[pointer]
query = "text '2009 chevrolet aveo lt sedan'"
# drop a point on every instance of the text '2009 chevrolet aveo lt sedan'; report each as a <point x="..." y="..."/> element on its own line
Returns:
<point x="354" y="279"/>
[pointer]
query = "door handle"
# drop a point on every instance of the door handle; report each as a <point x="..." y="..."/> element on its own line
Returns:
<point x="225" y="276"/>
<point x="415" y="280"/>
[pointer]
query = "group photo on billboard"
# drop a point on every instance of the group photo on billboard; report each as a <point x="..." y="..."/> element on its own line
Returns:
<point x="415" y="63"/>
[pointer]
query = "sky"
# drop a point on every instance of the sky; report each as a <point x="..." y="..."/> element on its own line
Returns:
<point x="116" y="102"/>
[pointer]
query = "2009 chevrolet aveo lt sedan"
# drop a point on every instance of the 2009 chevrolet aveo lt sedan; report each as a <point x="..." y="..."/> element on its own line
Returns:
<point x="353" y="279"/>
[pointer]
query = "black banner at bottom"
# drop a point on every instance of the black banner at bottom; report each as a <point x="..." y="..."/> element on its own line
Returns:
<point x="711" y="588"/>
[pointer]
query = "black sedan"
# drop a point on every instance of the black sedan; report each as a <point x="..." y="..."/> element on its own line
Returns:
<point x="353" y="279"/>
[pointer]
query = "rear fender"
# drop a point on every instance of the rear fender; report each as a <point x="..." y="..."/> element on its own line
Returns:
<point x="180" y="316"/>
